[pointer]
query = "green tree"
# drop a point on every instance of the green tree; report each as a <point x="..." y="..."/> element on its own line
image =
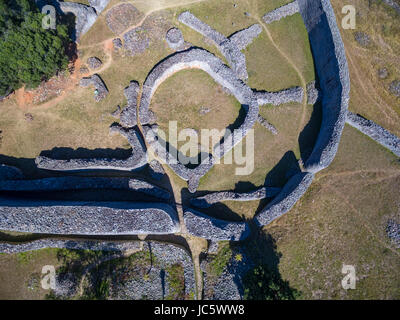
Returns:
<point x="29" y="53"/>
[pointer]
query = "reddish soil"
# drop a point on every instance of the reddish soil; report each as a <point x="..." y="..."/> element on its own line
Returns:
<point x="51" y="91"/>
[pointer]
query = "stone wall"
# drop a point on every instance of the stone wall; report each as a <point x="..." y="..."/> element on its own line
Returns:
<point x="128" y="115"/>
<point x="281" y="12"/>
<point x="294" y="94"/>
<point x="213" y="198"/>
<point x="203" y="226"/>
<point x="83" y="183"/>
<point x="70" y="244"/>
<point x="87" y="218"/>
<point x="243" y="38"/>
<point x="99" y="5"/>
<point x="137" y="160"/>
<point x="333" y="74"/>
<point x="85" y="17"/>
<point x="286" y="199"/>
<point x="99" y="85"/>
<point x="204" y="60"/>
<point x="231" y="52"/>
<point x="375" y="132"/>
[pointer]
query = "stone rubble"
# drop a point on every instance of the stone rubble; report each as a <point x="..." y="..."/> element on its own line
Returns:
<point x="136" y="41"/>
<point x="393" y="232"/>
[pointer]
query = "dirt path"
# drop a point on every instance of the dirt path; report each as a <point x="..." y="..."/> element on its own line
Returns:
<point x="156" y="6"/>
<point x="293" y="65"/>
<point x="370" y="94"/>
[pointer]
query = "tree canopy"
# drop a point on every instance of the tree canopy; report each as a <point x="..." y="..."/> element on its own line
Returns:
<point x="29" y="53"/>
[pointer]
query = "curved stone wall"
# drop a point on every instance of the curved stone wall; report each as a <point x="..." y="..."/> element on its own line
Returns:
<point x="203" y="226"/>
<point x="332" y="69"/>
<point x="243" y="38"/>
<point x="87" y="218"/>
<point x="286" y="199"/>
<point x="230" y="51"/>
<point x="204" y="60"/>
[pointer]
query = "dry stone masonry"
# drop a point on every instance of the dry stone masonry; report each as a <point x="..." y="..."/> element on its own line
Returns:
<point x="101" y="89"/>
<point x="87" y="218"/>
<point x="70" y="244"/>
<point x="286" y="199"/>
<point x="333" y="74"/>
<point x="202" y="59"/>
<point x="242" y="39"/>
<point x="282" y="12"/>
<point x="137" y="160"/>
<point x="201" y="225"/>
<point x="128" y="116"/>
<point x="375" y="132"/>
<point x="228" y="48"/>
<point x="277" y="98"/>
<point x="216" y="197"/>
<point x="174" y="38"/>
<point x="83" y="183"/>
